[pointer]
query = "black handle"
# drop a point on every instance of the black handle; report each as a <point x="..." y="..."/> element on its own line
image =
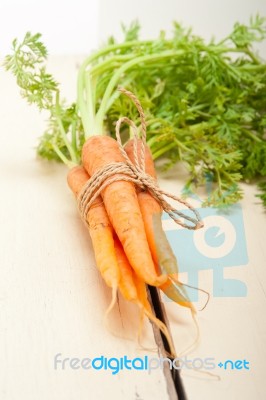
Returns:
<point x="160" y="314"/>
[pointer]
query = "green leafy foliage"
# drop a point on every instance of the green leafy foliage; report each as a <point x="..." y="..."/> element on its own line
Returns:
<point x="262" y="195"/>
<point x="26" y="63"/>
<point x="205" y="103"/>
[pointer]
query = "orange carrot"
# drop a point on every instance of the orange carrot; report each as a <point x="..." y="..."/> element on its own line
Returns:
<point x="122" y="207"/>
<point x="134" y="290"/>
<point x="148" y="205"/>
<point x="98" y="218"/>
<point x="105" y="241"/>
<point x="161" y="251"/>
<point x="126" y="284"/>
<point x="100" y="229"/>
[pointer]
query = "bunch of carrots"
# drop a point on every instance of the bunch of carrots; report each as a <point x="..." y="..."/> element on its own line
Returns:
<point x="124" y="222"/>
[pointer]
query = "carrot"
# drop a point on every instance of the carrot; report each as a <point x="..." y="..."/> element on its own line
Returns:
<point x="126" y="283"/>
<point x="100" y="229"/>
<point x="98" y="218"/>
<point x="121" y="203"/>
<point x="132" y="288"/>
<point x="114" y="266"/>
<point x="161" y="251"/>
<point x="148" y="205"/>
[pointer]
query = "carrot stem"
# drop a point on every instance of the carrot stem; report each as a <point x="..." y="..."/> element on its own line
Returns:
<point x="115" y="78"/>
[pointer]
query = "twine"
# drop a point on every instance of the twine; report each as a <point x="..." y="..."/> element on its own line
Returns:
<point x="134" y="173"/>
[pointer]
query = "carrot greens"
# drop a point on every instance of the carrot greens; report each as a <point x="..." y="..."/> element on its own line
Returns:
<point x="205" y="102"/>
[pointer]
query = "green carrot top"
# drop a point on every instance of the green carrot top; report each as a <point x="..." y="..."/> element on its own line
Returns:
<point x="205" y="103"/>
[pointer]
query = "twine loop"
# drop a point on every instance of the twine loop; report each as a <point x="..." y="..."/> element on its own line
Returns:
<point x="135" y="173"/>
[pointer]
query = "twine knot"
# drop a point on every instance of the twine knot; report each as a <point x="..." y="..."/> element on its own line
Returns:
<point x="135" y="173"/>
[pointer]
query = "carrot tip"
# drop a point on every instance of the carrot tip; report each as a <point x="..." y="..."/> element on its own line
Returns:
<point x="140" y="330"/>
<point x="111" y="305"/>
<point x="163" y="328"/>
<point x="196" y="341"/>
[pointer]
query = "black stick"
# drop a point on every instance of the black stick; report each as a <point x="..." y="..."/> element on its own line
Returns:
<point x="159" y="312"/>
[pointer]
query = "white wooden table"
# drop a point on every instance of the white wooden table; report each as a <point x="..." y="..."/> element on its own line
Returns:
<point x="52" y="299"/>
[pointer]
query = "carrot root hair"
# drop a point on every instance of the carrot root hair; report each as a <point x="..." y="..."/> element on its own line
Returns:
<point x="196" y="341"/>
<point x="140" y="331"/>
<point x="111" y="306"/>
<point x="163" y="328"/>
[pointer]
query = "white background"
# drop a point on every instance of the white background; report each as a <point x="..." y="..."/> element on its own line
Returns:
<point x="76" y="27"/>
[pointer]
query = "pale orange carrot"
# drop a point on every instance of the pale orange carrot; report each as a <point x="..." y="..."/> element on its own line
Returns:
<point x="134" y="290"/>
<point x="104" y="240"/>
<point x="122" y="207"/>
<point x="100" y="229"/>
<point x="127" y="285"/>
<point x="161" y="250"/>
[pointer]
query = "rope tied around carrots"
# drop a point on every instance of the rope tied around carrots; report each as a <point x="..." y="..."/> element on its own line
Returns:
<point x="134" y="173"/>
